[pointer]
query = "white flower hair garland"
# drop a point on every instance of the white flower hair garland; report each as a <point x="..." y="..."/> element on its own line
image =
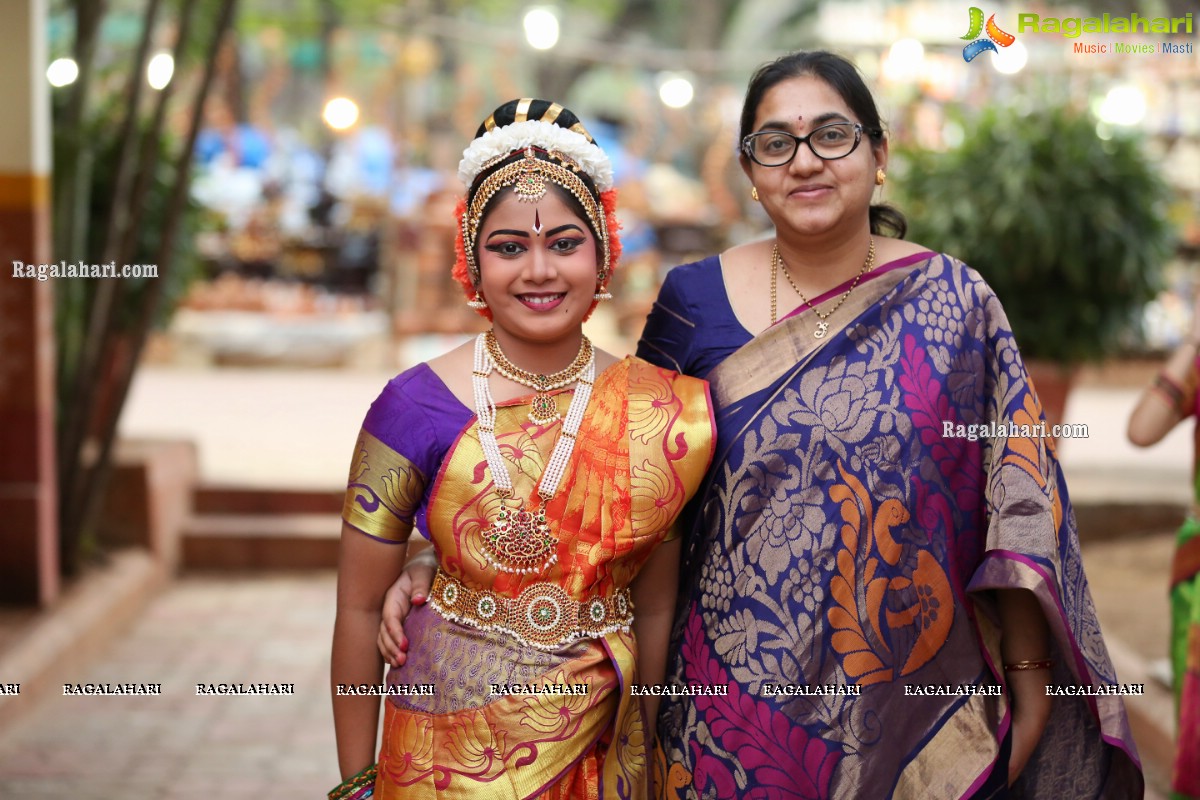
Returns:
<point x="536" y="133"/>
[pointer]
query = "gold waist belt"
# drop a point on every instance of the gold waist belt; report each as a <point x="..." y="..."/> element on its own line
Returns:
<point x="542" y="616"/>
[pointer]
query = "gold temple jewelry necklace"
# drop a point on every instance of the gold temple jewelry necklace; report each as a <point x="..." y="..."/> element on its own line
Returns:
<point x="543" y="410"/>
<point x="777" y="265"/>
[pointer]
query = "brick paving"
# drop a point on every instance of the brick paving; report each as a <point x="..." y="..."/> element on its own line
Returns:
<point x="179" y="746"/>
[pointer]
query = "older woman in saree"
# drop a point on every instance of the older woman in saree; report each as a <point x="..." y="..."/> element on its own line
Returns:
<point x="884" y="513"/>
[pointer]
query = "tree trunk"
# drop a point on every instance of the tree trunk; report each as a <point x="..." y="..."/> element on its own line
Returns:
<point x="72" y="191"/>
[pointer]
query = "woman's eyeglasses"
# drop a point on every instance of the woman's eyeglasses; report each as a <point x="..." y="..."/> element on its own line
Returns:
<point x="828" y="143"/>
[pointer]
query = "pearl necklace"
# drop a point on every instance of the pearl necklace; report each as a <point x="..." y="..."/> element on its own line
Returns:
<point x="543" y="410"/>
<point x="519" y="539"/>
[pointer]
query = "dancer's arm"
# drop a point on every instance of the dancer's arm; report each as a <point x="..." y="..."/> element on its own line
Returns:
<point x="366" y="568"/>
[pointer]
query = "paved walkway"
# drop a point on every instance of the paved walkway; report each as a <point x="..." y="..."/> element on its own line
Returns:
<point x="180" y="746"/>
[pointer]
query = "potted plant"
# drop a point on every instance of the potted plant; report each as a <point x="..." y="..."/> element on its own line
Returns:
<point x="1069" y="228"/>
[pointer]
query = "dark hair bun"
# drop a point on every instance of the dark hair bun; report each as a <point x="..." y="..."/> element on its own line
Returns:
<point x="529" y="109"/>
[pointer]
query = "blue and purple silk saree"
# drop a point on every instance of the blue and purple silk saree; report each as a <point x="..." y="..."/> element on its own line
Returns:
<point x="839" y="576"/>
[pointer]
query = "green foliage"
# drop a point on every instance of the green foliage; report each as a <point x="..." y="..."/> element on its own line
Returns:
<point x="1069" y="229"/>
<point x="185" y="266"/>
<point x="74" y="298"/>
<point x="100" y="133"/>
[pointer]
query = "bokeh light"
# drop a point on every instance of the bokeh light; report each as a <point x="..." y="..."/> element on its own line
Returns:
<point x="1123" y="105"/>
<point x="340" y="113"/>
<point x="541" y="28"/>
<point x="904" y="61"/>
<point x="62" y="72"/>
<point x="676" y="91"/>
<point x="1010" y="60"/>
<point x="159" y="70"/>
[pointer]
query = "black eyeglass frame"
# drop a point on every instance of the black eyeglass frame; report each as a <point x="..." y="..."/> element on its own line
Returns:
<point x="748" y="149"/>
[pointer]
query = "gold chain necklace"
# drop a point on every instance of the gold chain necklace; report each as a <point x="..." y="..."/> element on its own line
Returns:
<point x="777" y="265"/>
<point x="543" y="410"/>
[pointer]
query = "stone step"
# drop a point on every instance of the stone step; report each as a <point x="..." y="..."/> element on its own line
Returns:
<point x="218" y="499"/>
<point x="261" y="541"/>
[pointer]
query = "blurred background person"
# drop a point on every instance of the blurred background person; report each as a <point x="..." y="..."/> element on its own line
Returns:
<point x="1165" y="403"/>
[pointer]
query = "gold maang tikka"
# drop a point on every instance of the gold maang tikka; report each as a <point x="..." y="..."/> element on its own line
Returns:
<point x="530" y="178"/>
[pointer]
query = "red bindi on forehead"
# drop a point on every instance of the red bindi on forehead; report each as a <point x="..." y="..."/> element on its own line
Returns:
<point x="537" y="221"/>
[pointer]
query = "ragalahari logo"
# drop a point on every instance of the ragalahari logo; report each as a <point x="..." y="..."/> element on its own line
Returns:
<point x="995" y="36"/>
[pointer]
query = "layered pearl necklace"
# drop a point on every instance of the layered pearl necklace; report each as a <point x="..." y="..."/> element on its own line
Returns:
<point x="519" y="539"/>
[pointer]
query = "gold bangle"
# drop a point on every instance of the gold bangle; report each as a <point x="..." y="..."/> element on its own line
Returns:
<point x="1022" y="666"/>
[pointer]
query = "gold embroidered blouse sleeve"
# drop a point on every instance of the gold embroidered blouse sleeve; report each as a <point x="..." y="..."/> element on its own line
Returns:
<point x="383" y="491"/>
<point x="671" y="442"/>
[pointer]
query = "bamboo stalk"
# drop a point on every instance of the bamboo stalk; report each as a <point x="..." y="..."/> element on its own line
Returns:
<point x="99" y="337"/>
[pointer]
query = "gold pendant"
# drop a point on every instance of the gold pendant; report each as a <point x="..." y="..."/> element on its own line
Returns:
<point x="822" y="329"/>
<point x="520" y="541"/>
<point x="543" y="410"/>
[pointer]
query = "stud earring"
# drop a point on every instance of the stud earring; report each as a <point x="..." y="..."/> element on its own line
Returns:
<point x="477" y="303"/>
<point x="602" y="293"/>
<point x="754" y="193"/>
<point x="880" y="177"/>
